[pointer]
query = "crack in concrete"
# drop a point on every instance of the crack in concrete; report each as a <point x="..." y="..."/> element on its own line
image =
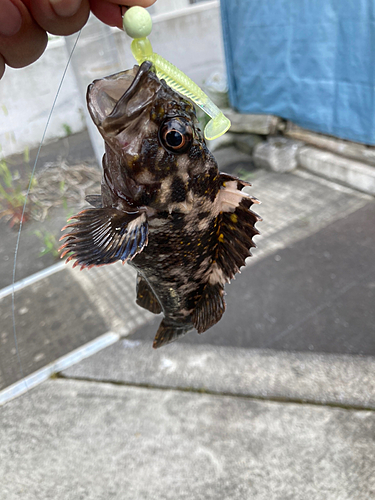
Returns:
<point x="210" y="392"/>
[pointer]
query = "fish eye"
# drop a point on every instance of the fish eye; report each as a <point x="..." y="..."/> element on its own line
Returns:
<point x="175" y="134"/>
<point x="174" y="139"/>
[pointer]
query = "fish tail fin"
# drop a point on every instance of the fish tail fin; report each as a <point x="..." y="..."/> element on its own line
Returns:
<point x="210" y="307"/>
<point x="104" y="235"/>
<point x="168" y="332"/>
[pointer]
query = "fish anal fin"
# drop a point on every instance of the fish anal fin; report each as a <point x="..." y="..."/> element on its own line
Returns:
<point x="146" y="297"/>
<point x="169" y="332"/>
<point x="210" y="307"/>
<point x="104" y="235"/>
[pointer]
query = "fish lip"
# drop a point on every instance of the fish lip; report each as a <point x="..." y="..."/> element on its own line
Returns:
<point x="110" y="124"/>
<point x="144" y="70"/>
<point x="102" y="101"/>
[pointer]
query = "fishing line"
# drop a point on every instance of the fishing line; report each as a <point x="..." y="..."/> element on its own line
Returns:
<point x="24" y="206"/>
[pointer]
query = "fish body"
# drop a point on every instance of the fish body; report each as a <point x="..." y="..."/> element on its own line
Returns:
<point x="164" y="206"/>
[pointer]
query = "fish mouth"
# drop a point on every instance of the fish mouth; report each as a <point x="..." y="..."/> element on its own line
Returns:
<point x="115" y="100"/>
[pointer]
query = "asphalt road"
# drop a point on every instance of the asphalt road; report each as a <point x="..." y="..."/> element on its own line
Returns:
<point x="309" y="286"/>
<point x="317" y="294"/>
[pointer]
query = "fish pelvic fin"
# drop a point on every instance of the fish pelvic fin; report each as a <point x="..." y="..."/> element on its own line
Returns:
<point x="169" y="332"/>
<point x="104" y="235"/>
<point x="95" y="200"/>
<point x="146" y="297"/>
<point x="210" y="307"/>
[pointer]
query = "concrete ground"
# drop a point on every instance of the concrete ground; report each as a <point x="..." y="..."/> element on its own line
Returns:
<point x="277" y="401"/>
<point x="194" y="421"/>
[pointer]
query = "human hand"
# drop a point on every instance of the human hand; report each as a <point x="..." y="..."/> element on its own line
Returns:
<point x="24" y="24"/>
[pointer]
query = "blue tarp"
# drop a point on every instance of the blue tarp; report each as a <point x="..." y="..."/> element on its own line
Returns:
<point x="309" y="61"/>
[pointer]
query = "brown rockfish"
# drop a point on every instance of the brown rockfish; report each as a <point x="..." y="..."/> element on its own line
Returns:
<point x="164" y="206"/>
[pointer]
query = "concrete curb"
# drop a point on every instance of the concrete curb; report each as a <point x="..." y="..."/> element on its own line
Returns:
<point x="352" y="173"/>
<point x="325" y="379"/>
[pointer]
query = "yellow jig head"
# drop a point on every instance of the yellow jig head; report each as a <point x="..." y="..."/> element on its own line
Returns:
<point x="138" y="25"/>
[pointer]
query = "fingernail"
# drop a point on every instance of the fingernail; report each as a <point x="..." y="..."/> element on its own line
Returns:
<point x="10" y="18"/>
<point x="65" y="8"/>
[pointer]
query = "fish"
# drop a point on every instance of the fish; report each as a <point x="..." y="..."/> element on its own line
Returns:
<point x="164" y="207"/>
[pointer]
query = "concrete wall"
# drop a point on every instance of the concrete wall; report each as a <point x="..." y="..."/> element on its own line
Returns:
<point x="26" y="98"/>
<point x="187" y="35"/>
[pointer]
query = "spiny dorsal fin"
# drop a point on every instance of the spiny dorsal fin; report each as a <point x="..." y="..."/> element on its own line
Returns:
<point x="235" y="229"/>
<point x="235" y="238"/>
<point x="146" y="297"/>
<point x="103" y="236"/>
<point x="210" y="308"/>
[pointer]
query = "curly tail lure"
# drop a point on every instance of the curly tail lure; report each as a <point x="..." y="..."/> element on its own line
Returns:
<point x="138" y="25"/>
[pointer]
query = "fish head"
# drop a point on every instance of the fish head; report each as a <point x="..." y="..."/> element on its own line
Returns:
<point x="142" y="119"/>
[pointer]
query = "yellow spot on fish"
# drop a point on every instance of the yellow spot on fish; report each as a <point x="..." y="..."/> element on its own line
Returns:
<point x="221" y="238"/>
<point x="161" y="112"/>
<point x="234" y="218"/>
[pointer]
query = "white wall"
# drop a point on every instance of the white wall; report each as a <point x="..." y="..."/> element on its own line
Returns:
<point x="187" y="35"/>
<point x="190" y="38"/>
<point x="166" y="6"/>
<point x="26" y="97"/>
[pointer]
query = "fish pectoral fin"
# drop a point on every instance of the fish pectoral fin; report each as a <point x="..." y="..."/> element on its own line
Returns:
<point x="95" y="200"/>
<point x="210" y="308"/>
<point x="167" y="333"/>
<point x="104" y="235"/>
<point x="146" y="297"/>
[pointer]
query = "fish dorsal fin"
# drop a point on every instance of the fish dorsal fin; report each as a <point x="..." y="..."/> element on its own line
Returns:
<point x="104" y="235"/>
<point x="210" y="308"/>
<point x="168" y="332"/>
<point x="146" y="297"/>
<point x="235" y="229"/>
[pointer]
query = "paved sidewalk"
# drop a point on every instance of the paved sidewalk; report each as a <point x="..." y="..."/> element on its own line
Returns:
<point x="316" y="241"/>
<point x="198" y="422"/>
<point x="230" y="414"/>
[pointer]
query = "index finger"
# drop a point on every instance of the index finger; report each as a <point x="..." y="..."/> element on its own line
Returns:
<point x="110" y="11"/>
<point x="60" y="17"/>
<point x="26" y="45"/>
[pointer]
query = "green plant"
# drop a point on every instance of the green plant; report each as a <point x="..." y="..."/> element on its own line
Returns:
<point x="67" y="128"/>
<point x="50" y="243"/>
<point x="12" y="197"/>
<point x="26" y="155"/>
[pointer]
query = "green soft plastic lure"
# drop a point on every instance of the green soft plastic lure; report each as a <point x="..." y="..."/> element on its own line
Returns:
<point x="138" y="25"/>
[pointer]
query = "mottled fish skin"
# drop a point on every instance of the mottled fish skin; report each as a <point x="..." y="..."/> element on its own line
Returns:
<point x="164" y="206"/>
